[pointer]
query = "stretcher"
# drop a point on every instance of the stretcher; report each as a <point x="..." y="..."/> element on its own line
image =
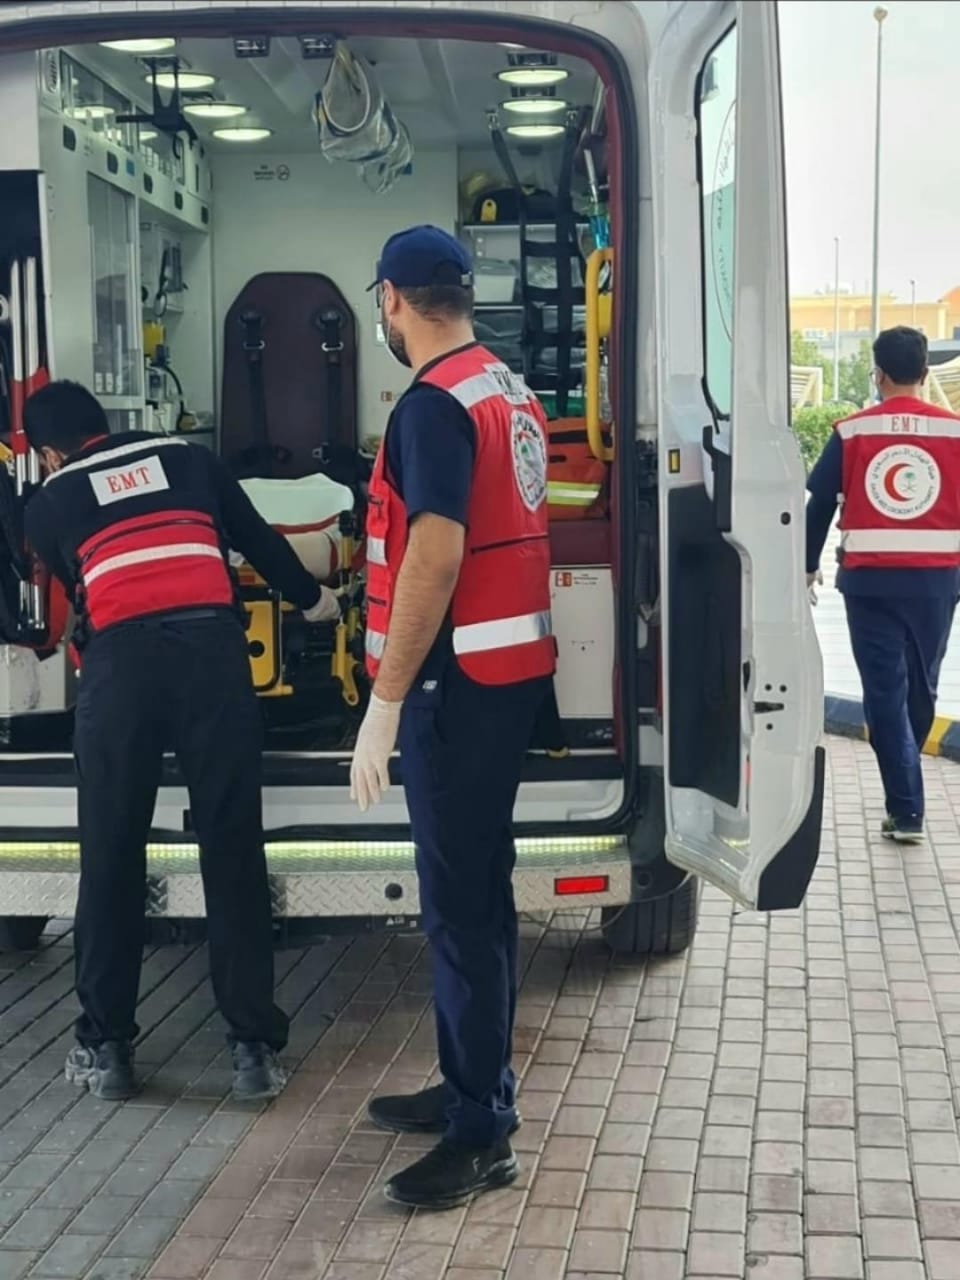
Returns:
<point x="316" y="516"/>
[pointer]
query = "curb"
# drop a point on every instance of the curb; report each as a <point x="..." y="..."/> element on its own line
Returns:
<point x="844" y="718"/>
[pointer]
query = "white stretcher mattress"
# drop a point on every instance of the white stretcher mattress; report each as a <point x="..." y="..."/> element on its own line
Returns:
<point x="307" y="512"/>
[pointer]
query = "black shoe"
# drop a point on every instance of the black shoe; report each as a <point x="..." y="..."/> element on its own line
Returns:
<point x="450" y="1175"/>
<point x="257" y="1072"/>
<point x="423" y="1112"/>
<point x="107" y="1071"/>
<point x="902" y="830"/>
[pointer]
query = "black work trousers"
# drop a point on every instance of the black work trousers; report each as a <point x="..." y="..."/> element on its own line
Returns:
<point x="179" y="684"/>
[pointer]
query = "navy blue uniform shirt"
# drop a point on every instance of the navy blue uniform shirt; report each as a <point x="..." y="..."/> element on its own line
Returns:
<point x="824" y="484"/>
<point x="431" y="444"/>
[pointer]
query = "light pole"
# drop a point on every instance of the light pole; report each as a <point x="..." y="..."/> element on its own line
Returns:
<point x="880" y="16"/>
<point x="836" y="318"/>
<point x="913" y="303"/>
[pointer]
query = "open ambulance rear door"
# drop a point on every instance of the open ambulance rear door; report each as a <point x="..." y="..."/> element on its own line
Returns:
<point x="743" y="682"/>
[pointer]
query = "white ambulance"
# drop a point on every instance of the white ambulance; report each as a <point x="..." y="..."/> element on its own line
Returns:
<point x="616" y="169"/>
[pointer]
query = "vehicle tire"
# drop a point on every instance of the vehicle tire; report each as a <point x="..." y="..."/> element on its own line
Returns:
<point x="660" y="927"/>
<point x="21" y="933"/>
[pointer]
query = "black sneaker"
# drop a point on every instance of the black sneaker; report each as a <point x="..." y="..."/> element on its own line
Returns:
<point x="423" y="1112"/>
<point x="107" y="1071"/>
<point x="451" y="1174"/>
<point x="902" y="830"/>
<point x="257" y="1072"/>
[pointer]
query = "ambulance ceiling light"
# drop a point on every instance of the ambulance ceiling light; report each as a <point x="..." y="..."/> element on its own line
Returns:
<point x="150" y="44"/>
<point x="214" y="110"/>
<point x="532" y="70"/>
<point x="524" y="106"/>
<point x="188" y="80"/>
<point x="535" y="132"/>
<point x="241" y="133"/>
<point x="148" y="135"/>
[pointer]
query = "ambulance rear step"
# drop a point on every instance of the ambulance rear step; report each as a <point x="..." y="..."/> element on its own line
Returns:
<point x="321" y="879"/>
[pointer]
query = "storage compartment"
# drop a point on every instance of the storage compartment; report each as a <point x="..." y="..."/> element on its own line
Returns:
<point x="581" y="601"/>
<point x="494" y="281"/>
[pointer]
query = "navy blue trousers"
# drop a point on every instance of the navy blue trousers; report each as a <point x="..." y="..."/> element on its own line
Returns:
<point x="898" y="644"/>
<point x="462" y="747"/>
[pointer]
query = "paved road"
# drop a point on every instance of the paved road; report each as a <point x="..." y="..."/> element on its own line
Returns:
<point x="781" y="1103"/>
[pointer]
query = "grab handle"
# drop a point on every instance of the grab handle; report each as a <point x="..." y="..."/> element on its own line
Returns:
<point x="599" y="314"/>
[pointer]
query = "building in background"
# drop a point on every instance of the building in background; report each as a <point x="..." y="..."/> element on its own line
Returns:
<point x="812" y="342"/>
<point x="812" y="315"/>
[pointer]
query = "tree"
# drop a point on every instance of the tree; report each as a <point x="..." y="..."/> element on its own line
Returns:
<point x="812" y="427"/>
<point x="854" y="370"/>
<point x="806" y="355"/>
<point x="855" y="374"/>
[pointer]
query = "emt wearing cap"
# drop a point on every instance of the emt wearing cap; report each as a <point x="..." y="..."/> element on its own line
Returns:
<point x="461" y="653"/>
<point x="896" y="469"/>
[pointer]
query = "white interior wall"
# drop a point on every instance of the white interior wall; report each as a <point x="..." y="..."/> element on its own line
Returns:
<point x="322" y="218"/>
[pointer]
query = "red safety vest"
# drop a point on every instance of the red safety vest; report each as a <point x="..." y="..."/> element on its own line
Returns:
<point x="901" y="486"/>
<point x="156" y="563"/>
<point x="500" y="612"/>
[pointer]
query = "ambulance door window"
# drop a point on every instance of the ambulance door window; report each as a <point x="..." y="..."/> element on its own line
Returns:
<point x="716" y="133"/>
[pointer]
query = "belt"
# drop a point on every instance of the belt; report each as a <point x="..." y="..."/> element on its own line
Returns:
<point x="165" y="619"/>
<point x="183" y="615"/>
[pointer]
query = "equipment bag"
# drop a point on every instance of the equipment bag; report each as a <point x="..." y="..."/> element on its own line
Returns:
<point x="289" y="403"/>
<point x="577" y="485"/>
<point x="357" y="123"/>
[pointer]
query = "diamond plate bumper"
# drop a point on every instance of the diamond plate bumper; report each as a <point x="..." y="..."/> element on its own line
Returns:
<point x="322" y="879"/>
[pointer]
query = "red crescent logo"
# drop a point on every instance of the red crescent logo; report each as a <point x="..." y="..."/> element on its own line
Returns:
<point x="890" y="481"/>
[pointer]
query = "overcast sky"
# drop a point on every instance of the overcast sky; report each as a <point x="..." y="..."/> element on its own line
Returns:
<point x="829" y="61"/>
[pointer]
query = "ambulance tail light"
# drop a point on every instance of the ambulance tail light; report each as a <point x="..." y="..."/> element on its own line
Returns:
<point x="572" y="886"/>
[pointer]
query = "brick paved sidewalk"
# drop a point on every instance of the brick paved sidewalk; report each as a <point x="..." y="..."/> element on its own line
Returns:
<point x="781" y="1103"/>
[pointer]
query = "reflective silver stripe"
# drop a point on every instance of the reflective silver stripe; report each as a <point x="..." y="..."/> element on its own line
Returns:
<point x="502" y="633"/>
<point x="919" y="540"/>
<point x="376" y="551"/>
<point x="480" y="386"/>
<point x="899" y="424"/>
<point x="496" y="379"/>
<point x="375" y="642"/>
<point x="174" y="551"/>
<point x="108" y="455"/>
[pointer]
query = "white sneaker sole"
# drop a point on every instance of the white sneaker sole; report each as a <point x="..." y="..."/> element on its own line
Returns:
<point x="89" y="1078"/>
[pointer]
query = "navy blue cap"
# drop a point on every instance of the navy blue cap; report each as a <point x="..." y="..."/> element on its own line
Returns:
<point x="422" y="256"/>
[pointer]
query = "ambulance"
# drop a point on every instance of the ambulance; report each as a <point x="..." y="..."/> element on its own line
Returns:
<point x="193" y="200"/>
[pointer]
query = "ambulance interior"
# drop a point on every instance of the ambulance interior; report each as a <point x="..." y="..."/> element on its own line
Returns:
<point x="198" y="253"/>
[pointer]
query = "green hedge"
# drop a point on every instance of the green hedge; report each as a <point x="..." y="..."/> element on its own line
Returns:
<point x="812" y="428"/>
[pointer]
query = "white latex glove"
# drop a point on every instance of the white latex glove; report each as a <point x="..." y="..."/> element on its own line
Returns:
<point x="370" y="771"/>
<point x="327" y="608"/>
<point x="813" y="581"/>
